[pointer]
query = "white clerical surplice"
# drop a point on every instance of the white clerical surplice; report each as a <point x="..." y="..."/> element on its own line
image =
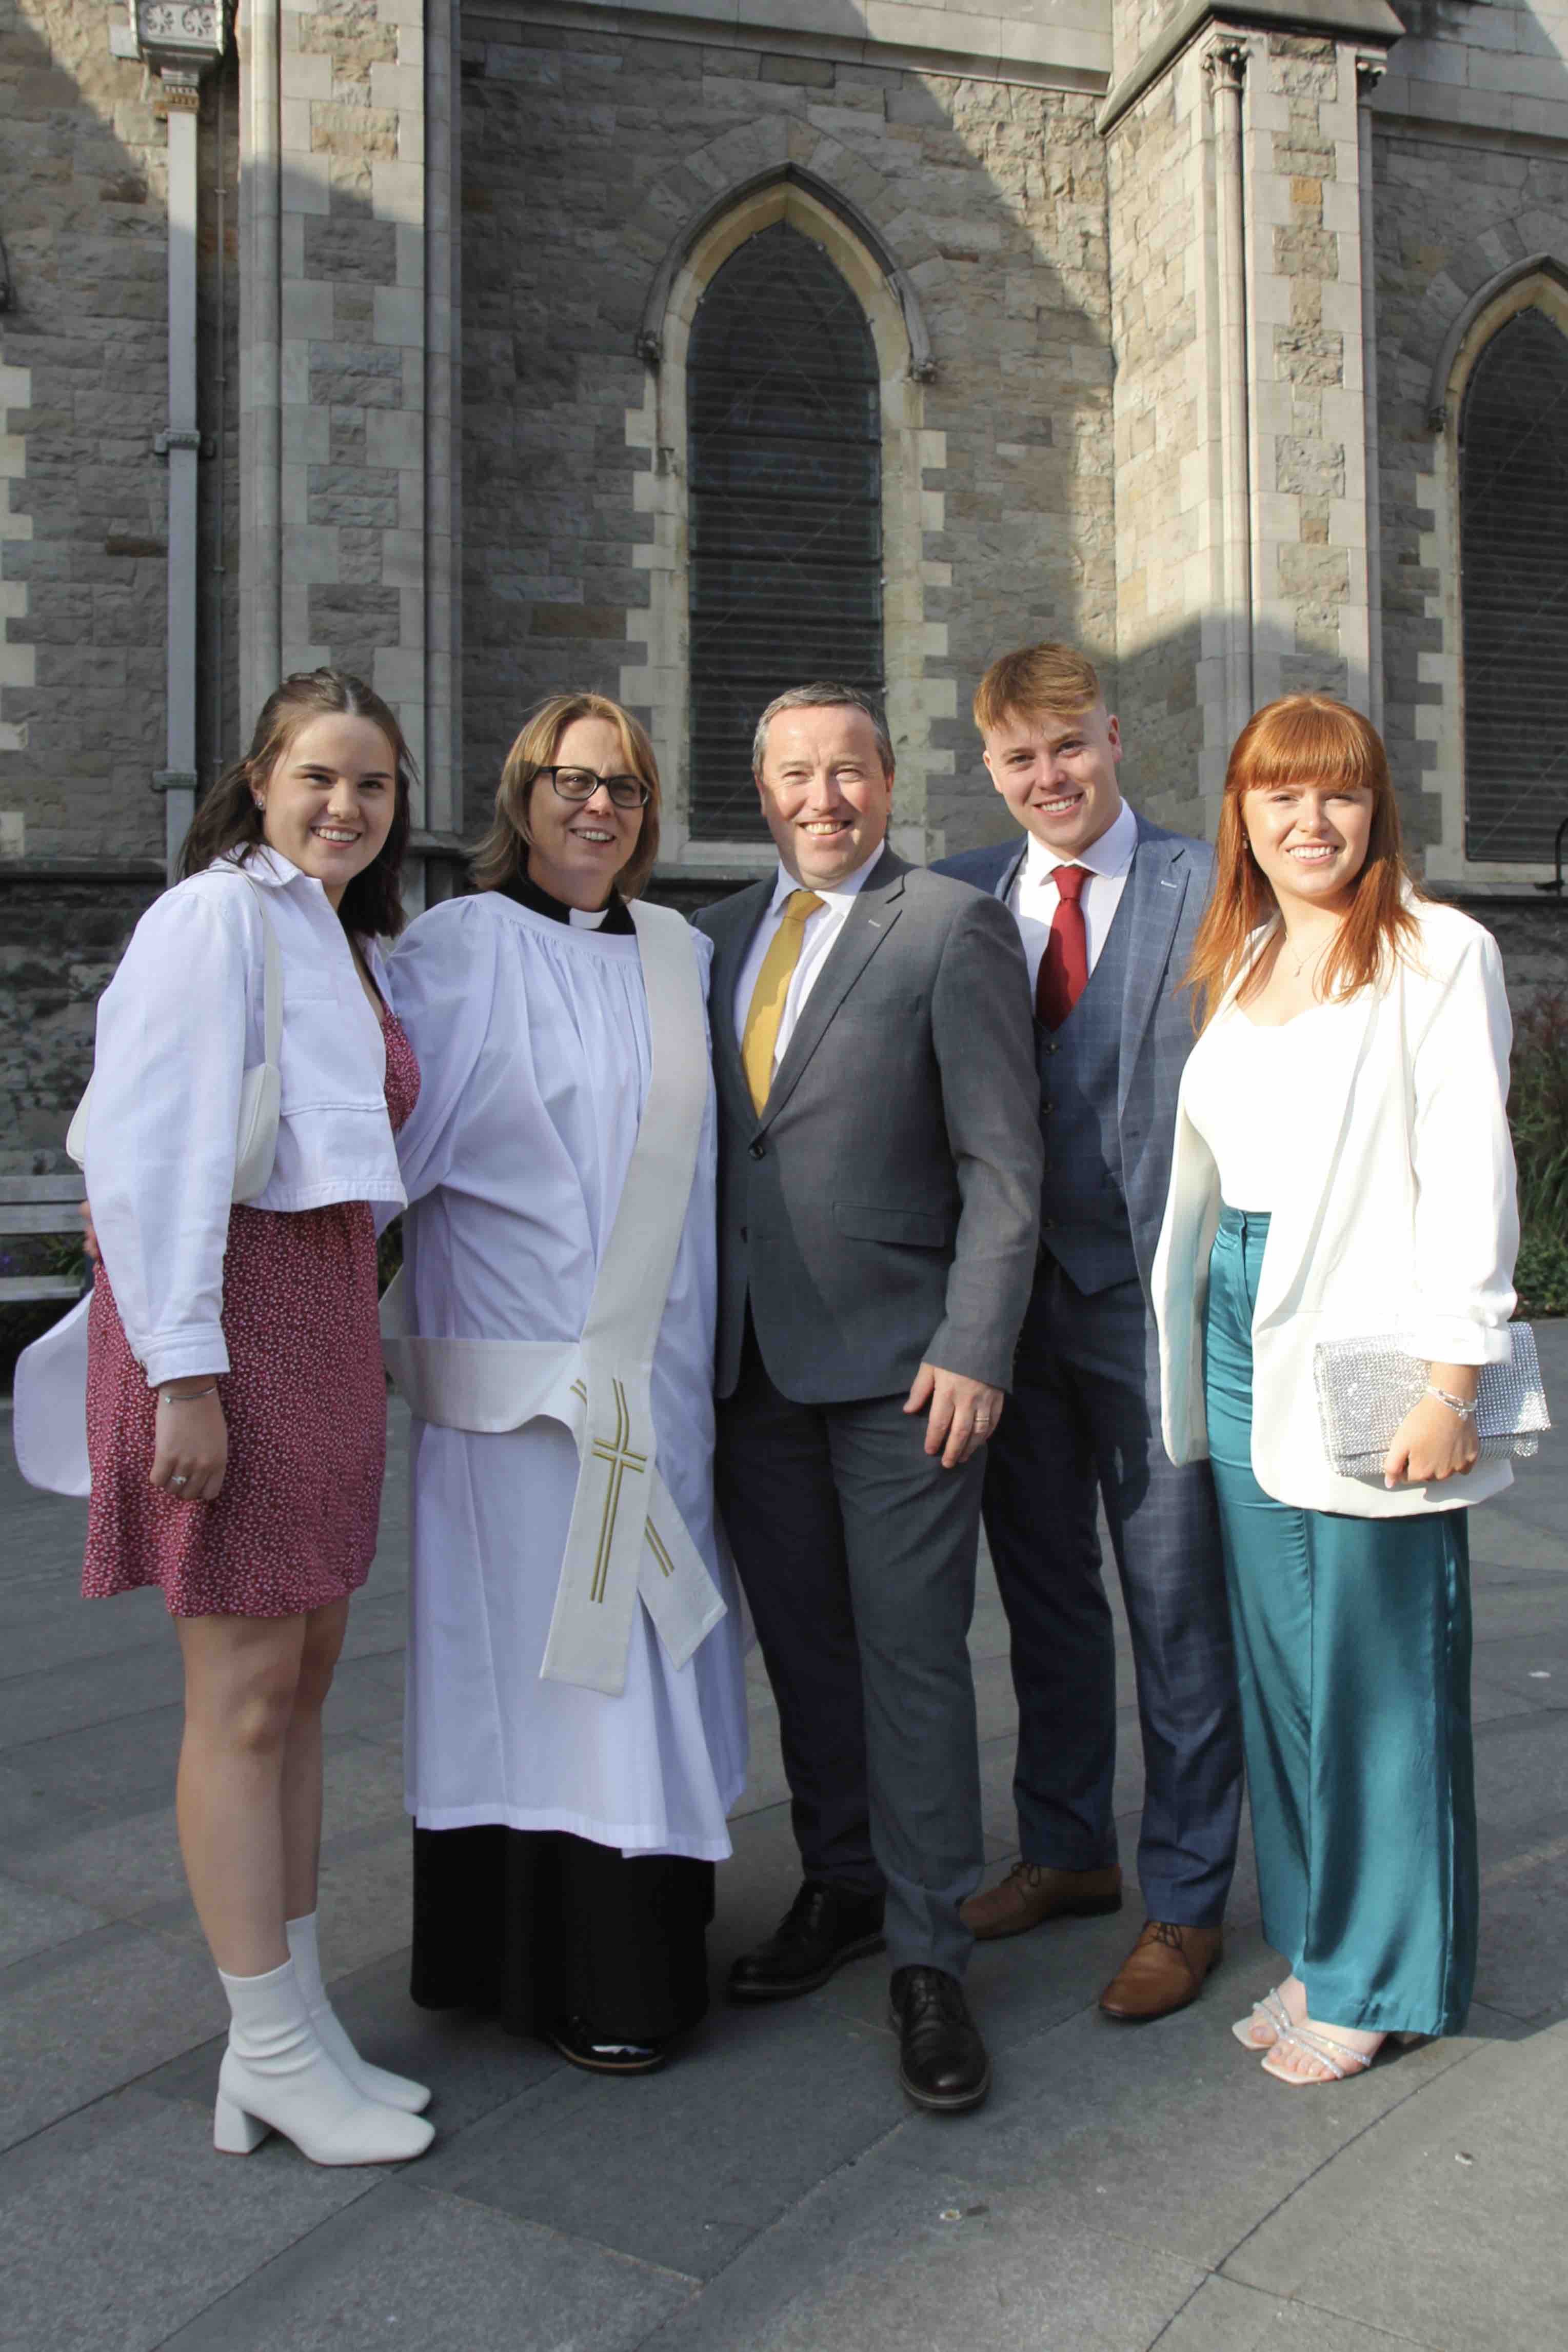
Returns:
<point x="575" y="1653"/>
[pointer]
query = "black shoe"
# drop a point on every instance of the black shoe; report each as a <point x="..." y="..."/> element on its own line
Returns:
<point x="942" y="2061"/>
<point x="580" y="2044"/>
<point x="822" y="1928"/>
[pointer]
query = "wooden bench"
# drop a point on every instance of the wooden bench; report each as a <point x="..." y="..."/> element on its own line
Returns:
<point x="39" y="1204"/>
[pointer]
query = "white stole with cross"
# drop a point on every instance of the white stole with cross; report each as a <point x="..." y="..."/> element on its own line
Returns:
<point x="626" y="1540"/>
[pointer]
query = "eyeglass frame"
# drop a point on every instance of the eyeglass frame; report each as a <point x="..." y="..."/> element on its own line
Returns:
<point x="621" y="776"/>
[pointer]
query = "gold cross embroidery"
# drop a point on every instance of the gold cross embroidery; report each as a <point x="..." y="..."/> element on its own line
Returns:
<point x="621" y="1458"/>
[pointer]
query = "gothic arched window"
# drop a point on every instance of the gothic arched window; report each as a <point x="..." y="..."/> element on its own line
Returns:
<point x="785" y="482"/>
<point x="1513" y="577"/>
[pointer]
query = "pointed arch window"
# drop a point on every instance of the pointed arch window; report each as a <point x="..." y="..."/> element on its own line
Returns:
<point x="1513" y="556"/>
<point x="785" y="517"/>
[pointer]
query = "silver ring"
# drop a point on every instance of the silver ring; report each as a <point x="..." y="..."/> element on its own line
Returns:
<point x="179" y="1482"/>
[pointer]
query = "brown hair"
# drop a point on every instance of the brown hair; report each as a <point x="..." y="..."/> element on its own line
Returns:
<point x="502" y="856"/>
<point x="228" y="821"/>
<point x="1304" y="739"/>
<point x="1036" y="678"/>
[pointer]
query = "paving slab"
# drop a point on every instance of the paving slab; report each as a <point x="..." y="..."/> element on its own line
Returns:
<point x="771" y="2191"/>
<point x="120" y="2223"/>
<point x="408" y="2270"/>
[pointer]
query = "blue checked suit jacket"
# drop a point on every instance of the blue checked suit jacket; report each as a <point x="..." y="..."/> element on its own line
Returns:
<point x="1167" y="890"/>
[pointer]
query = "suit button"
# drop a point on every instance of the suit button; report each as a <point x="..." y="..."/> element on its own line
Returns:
<point x="760" y="1150"/>
<point x="1046" y="1109"/>
<point x="1050" y="1049"/>
<point x="1047" y="1224"/>
<point x="744" y="1235"/>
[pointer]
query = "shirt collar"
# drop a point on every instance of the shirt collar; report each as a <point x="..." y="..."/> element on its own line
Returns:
<point x="268" y="867"/>
<point x="1109" y="856"/>
<point x="842" y="893"/>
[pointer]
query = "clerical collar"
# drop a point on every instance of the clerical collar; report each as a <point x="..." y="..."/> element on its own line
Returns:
<point x="1111" y="855"/>
<point x="611" y="921"/>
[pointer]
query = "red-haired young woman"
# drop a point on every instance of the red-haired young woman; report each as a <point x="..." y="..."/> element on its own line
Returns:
<point x="1342" y="1170"/>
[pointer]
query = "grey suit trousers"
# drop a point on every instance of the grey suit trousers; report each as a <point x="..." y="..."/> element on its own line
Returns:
<point x="857" y="1552"/>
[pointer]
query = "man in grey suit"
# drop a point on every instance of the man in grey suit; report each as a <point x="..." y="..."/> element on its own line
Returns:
<point x="879" y="1199"/>
<point x="1107" y="905"/>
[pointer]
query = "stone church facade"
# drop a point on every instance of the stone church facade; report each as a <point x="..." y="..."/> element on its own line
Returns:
<point x="438" y="340"/>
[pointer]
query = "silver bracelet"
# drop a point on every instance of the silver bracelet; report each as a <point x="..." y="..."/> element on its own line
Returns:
<point x="165" y="1396"/>
<point x="1455" y="1404"/>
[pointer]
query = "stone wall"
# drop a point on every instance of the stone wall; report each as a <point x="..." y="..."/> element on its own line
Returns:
<point x="59" y="943"/>
<point x="584" y="156"/>
<point x="84" y="386"/>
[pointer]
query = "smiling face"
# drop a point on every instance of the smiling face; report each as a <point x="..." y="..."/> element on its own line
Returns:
<point x="576" y="848"/>
<point x="1310" y="841"/>
<point x="824" y="792"/>
<point x="328" y="803"/>
<point x="1056" y="773"/>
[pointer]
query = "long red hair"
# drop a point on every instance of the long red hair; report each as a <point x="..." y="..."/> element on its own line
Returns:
<point x="1304" y="739"/>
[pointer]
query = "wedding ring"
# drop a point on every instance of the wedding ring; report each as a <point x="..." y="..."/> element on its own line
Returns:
<point x="179" y="1482"/>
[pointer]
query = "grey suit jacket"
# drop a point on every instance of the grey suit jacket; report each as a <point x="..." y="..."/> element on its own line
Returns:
<point x="1168" y="888"/>
<point x="882" y="1210"/>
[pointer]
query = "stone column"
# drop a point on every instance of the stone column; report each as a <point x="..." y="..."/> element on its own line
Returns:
<point x="351" y="484"/>
<point x="1369" y="72"/>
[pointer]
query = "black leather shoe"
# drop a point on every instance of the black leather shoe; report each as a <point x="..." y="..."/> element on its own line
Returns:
<point x="824" y="1928"/>
<point x="942" y="2061"/>
<point x="574" y="2038"/>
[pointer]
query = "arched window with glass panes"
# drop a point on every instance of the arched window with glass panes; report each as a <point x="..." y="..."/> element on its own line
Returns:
<point x="1513" y="577"/>
<point x="785" y="517"/>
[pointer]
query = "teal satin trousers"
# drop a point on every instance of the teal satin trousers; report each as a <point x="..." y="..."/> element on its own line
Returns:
<point x="1352" y="1644"/>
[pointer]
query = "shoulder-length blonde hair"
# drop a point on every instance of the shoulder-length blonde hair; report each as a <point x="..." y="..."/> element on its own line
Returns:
<point x="1304" y="739"/>
<point x="502" y="856"/>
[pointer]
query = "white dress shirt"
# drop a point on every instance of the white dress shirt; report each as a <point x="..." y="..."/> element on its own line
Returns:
<point x="822" y="929"/>
<point x="178" y="1026"/>
<point x="1033" y="898"/>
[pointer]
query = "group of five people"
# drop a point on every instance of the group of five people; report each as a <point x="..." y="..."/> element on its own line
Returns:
<point x="791" y="1244"/>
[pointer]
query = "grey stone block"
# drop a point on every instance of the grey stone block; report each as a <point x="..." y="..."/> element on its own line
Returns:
<point x="87" y="2016"/>
<point x="121" y="2225"/>
<point x="407" y="2268"/>
<point x="826" y="2085"/>
<point x="33" y="1920"/>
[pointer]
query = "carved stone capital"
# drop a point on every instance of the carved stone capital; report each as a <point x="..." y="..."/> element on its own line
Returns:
<point x="1369" y="71"/>
<point x="1225" y="62"/>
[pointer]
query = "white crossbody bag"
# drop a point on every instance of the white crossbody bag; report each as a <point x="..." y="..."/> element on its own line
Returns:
<point x="256" y="1137"/>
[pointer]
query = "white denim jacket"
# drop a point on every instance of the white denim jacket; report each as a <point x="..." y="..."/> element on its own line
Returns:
<point x="177" y="1027"/>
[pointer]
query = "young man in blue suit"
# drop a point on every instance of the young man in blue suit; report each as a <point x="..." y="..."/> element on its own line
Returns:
<point x="1107" y="905"/>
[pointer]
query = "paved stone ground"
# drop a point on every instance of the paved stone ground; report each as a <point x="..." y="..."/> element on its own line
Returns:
<point x="771" y="2192"/>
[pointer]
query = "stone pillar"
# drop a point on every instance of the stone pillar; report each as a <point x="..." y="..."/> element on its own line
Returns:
<point x="353" y="486"/>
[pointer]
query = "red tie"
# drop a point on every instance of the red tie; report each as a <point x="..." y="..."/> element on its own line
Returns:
<point x="1064" y="966"/>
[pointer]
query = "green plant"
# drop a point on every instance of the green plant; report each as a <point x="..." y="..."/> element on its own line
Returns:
<point x="1538" y="1114"/>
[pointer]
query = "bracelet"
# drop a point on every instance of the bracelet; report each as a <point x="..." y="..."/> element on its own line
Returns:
<point x="1455" y="1404"/>
<point x="165" y="1397"/>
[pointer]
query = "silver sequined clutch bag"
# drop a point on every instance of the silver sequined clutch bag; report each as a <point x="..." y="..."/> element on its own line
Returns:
<point x="1366" y="1388"/>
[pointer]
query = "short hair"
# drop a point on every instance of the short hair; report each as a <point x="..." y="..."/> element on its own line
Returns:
<point x="1036" y="678"/>
<point x="502" y="856"/>
<point x="824" y="695"/>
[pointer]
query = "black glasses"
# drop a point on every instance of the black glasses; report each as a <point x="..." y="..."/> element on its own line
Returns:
<point x="580" y="784"/>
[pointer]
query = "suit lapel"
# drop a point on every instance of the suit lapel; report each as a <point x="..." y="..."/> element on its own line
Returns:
<point x="1005" y="879"/>
<point x="734" y="934"/>
<point x="1158" y="887"/>
<point x="868" y="923"/>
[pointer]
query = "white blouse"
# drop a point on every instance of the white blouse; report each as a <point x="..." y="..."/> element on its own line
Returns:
<point x="178" y="1026"/>
<point x="1250" y="1093"/>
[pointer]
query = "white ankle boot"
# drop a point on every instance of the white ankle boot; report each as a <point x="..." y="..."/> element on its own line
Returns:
<point x="276" y="2073"/>
<point x="375" y="2082"/>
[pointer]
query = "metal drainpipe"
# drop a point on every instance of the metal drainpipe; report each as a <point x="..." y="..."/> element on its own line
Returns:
<point x="182" y="445"/>
<point x="1226" y="65"/>
<point x="1369" y="72"/>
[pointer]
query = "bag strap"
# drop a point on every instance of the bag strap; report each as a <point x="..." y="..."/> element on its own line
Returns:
<point x="271" y="982"/>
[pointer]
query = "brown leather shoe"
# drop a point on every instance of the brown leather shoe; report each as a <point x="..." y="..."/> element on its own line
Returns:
<point x="1165" y="1969"/>
<point x="1032" y="1892"/>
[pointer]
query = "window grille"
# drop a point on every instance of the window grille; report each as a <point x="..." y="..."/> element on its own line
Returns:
<point x="785" y="486"/>
<point x="1514" y="578"/>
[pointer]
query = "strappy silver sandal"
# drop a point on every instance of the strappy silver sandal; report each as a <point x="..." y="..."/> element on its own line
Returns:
<point x="1273" y="2014"/>
<point x="1340" y="2059"/>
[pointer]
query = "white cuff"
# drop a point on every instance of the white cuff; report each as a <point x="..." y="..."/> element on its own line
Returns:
<point x="182" y="1355"/>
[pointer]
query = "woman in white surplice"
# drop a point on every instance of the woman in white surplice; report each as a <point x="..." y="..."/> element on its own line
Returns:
<point x="565" y="1837"/>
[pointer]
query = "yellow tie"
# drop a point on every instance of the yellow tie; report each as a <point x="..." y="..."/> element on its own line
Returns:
<point x="765" y="1010"/>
